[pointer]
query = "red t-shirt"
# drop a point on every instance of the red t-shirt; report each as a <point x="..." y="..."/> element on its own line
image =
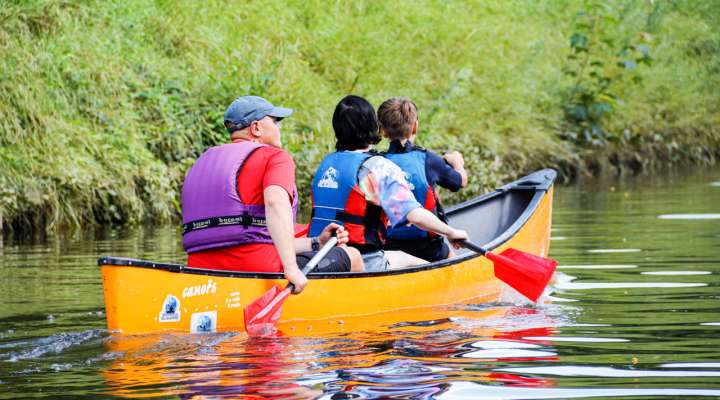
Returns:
<point x="265" y="167"/>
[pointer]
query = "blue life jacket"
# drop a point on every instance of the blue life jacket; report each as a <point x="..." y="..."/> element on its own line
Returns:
<point x="336" y="197"/>
<point x="413" y="165"/>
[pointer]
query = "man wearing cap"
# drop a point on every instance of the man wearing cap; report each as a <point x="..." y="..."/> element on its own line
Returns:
<point x="239" y="202"/>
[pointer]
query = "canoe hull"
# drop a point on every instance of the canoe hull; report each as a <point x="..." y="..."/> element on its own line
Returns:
<point x="152" y="299"/>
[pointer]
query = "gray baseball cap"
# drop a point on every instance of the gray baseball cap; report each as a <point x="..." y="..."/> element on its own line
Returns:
<point x="247" y="109"/>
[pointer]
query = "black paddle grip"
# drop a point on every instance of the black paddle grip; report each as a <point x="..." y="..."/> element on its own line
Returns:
<point x="472" y="246"/>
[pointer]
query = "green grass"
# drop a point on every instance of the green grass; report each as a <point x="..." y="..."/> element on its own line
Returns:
<point x="105" y="105"/>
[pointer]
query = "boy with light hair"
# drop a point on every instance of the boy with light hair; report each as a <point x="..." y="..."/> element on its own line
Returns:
<point x="424" y="170"/>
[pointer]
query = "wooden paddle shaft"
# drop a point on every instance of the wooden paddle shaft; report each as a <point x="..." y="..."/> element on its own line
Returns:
<point x="316" y="259"/>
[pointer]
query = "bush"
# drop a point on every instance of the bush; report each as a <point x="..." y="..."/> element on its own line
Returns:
<point x="105" y="105"/>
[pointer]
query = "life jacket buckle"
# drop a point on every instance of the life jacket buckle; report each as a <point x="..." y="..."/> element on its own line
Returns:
<point x="246" y="219"/>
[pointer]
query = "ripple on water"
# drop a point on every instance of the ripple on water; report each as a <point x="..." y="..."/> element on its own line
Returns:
<point x="394" y="371"/>
<point x="607" y="372"/>
<point x="470" y="390"/>
<point x="690" y="365"/>
<point x="614" y="250"/>
<point x="506" y="349"/>
<point x="598" y="266"/>
<point x="503" y="344"/>
<point x="555" y="299"/>
<point x="625" y="285"/>
<point x="575" y="339"/>
<point x="689" y="216"/>
<point x="672" y="273"/>
<point x="53" y="344"/>
<point x="500" y="354"/>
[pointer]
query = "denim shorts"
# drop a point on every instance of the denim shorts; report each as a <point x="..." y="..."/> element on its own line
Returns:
<point x="375" y="261"/>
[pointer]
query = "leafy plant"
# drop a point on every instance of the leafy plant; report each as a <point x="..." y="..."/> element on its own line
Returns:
<point x="601" y="64"/>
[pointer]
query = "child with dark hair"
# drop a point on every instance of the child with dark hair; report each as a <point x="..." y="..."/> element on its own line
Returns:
<point x="355" y="124"/>
<point x="424" y="171"/>
<point x="363" y="191"/>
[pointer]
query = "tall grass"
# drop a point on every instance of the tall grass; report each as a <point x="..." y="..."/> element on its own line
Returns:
<point x="105" y="105"/>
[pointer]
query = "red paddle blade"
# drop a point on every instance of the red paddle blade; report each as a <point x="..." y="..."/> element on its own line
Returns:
<point x="262" y="315"/>
<point x="527" y="273"/>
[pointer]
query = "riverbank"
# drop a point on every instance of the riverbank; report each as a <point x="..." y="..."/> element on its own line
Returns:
<point x="104" y="106"/>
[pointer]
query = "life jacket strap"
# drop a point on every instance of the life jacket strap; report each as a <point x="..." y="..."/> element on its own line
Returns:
<point x="439" y="210"/>
<point x="245" y="220"/>
<point x="350" y="218"/>
<point x="335" y="215"/>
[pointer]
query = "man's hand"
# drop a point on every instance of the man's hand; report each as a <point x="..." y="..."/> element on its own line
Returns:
<point x="340" y="232"/>
<point x="456" y="237"/>
<point x="455" y="159"/>
<point x="296" y="277"/>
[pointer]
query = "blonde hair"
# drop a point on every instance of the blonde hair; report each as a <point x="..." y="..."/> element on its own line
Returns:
<point x="397" y="116"/>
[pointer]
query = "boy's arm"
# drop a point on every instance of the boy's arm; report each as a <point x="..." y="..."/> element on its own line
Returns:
<point x="456" y="160"/>
<point x="384" y="184"/>
<point x="442" y="172"/>
<point x="397" y="200"/>
<point x="427" y="221"/>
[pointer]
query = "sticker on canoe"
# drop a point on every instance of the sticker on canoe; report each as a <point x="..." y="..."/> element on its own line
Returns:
<point x="198" y="290"/>
<point x="203" y="322"/>
<point x="233" y="300"/>
<point x="170" y="311"/>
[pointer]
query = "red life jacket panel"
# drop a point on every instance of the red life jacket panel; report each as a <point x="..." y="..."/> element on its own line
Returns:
<point x="337" y="198"/>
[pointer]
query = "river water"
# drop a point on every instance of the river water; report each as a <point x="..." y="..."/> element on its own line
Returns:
<point x="634" y="314"/>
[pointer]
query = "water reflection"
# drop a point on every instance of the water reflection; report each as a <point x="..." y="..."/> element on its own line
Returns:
<point x="626" y="324"/>
<point x="410" y="360"/>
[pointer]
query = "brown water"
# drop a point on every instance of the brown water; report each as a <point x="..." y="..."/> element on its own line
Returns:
<point x="635" y="313"/>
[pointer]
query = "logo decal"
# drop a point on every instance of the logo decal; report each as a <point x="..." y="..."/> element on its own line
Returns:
<point x="209" y="288"/>
<point x="409" y="181"/>
<point x="329" y="179"/>
<point x="170" y="310"/>
<point x="233" y="300"/>
<point x="203" y="322"/>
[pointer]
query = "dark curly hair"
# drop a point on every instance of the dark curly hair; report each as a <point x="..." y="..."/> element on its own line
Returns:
<point x="355" y="123"/>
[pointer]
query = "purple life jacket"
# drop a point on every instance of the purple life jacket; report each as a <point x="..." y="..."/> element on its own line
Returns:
<point x="213" y="214"/>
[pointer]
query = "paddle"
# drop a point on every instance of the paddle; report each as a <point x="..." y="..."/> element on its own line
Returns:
<point x="524" y="272"/>
<point x="262" y="315"/>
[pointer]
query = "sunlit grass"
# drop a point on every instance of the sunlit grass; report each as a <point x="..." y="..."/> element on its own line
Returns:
<point x="104" y="105"/>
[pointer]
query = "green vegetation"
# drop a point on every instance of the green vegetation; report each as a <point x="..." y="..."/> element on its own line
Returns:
<point x="105" y="105"/>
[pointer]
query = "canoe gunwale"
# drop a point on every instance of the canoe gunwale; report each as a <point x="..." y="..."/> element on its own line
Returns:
<point x="539" y="182"/>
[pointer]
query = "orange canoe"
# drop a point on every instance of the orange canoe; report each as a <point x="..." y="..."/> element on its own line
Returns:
<point x="144" y="296"/>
